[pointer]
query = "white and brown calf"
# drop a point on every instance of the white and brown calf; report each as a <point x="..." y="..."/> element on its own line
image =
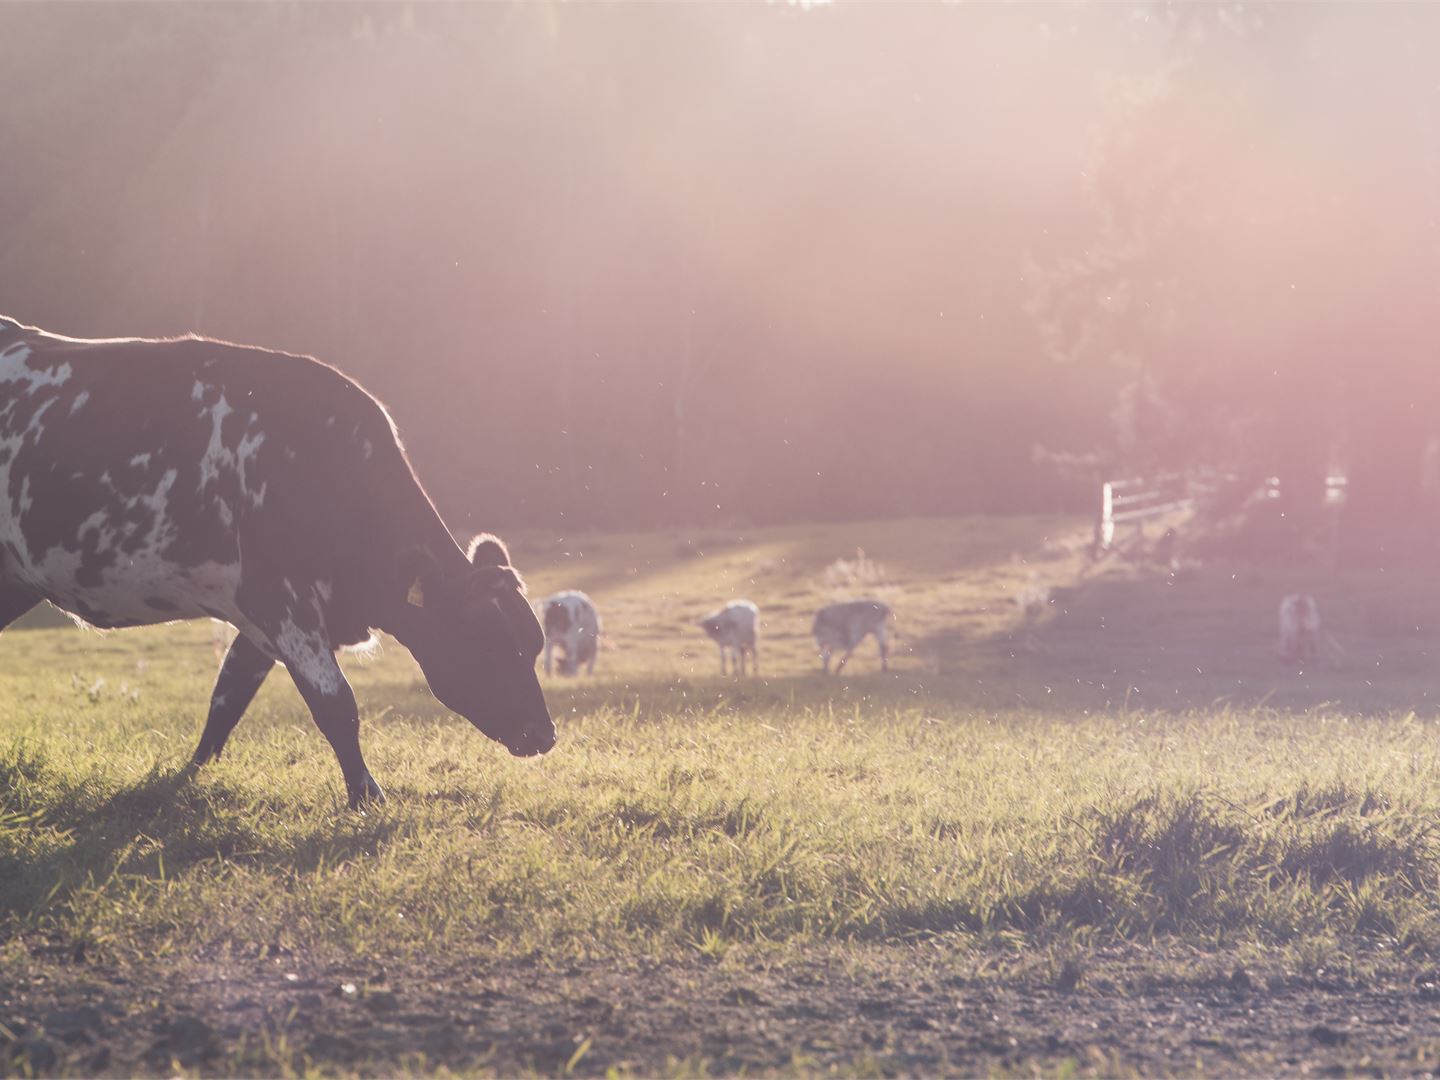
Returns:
<point x="572" y="625"/>
<point x="146" y="481"/>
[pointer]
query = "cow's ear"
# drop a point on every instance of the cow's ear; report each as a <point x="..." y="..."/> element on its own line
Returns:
<point x="487" y="582"/>
<point x="488" y="549"/>
<point x="419" y="573"/>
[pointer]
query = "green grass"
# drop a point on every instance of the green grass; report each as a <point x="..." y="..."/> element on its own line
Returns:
<point x="732" y="824"/>
<point x="686" y="815"/>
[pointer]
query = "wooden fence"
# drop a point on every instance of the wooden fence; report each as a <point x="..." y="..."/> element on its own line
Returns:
<point x="1132" y="501"/>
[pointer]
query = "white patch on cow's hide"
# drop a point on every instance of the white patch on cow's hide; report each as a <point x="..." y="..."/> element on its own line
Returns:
<point x="162" y="529"/>
<point x="9" y="511"/>
<point x="80" y="399"/>
<point x="13" y="368"/>
<point x="215" y="453"/>
<point x="126" y="593"/>
<point x="142" y="460"/>
<point x="198" y="393"/>
<point x="96" y="523"/>
<point x="308" y="657"/>
<point x="17" y="353"/>
<point x="218" y="456"/>
<point x="36" y="427"/>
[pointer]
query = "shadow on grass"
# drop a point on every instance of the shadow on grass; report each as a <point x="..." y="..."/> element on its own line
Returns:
<point x="62" y="835"/>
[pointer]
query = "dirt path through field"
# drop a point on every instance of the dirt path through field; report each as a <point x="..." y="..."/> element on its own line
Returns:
<point x="874" y="1011"/>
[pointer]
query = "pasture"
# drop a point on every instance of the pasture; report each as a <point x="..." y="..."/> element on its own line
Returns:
<point x="1111" y="834"/>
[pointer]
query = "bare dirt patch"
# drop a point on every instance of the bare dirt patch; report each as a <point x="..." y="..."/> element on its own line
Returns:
<point x="888" y="1011"/>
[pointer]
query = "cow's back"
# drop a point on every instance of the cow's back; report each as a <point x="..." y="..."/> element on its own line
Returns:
<point x="137" y="477"/>
<point x="846" y="624"/>
<point x="741" y="621"/>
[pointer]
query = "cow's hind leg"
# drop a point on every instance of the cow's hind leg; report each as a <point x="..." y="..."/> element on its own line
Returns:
<point x="241" y="674"/>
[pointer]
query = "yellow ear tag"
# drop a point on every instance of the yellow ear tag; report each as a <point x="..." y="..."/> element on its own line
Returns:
<point x="416" y="596"/>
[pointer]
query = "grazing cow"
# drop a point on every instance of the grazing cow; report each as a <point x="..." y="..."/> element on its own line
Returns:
<point x="1299" y="628"/>
<point x="845" y="625"/>
<point x="146" y="481"/>
<point x="573" y="626"/>
<point x="736" y="629"/>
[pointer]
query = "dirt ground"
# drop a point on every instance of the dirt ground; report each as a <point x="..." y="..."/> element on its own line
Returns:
<point x="907" y="1011"/>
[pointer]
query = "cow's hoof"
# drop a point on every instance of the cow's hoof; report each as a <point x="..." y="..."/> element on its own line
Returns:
<point x="367" y="793"/>
<point x="203" y="755"/>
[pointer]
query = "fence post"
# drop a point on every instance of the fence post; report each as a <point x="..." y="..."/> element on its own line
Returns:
<point x="1105" y="523"/>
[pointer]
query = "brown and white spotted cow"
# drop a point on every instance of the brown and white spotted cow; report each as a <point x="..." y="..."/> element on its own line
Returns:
<point x="145" y="481"/>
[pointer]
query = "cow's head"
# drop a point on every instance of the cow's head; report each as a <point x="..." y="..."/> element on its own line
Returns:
<point x="557" y="619"/>
<point x="711" y="625"/>
<point x="476" y="638"/>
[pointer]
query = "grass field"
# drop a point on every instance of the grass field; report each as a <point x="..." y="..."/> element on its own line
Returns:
<point x="1109" y="835"/>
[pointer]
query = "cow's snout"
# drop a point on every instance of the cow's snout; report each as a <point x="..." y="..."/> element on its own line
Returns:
<point x="534" y="742"/>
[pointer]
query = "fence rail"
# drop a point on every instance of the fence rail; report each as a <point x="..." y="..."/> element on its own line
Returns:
<point x="1133" y="500"/>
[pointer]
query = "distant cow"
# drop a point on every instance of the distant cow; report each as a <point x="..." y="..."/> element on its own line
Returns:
<point x="1299" y="628"/>
<point x="736" y="629"/>
<point x="146" y="481"/>
<point x="843" y="626"/>
<point x="573" y="626"/>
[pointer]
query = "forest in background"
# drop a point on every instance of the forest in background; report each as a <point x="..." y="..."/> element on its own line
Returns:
<point x="661" y="263"/>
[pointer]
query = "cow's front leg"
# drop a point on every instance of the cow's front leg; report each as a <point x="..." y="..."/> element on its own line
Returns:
<point x="241" y="674"/>
<point x="312" y="664"/>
